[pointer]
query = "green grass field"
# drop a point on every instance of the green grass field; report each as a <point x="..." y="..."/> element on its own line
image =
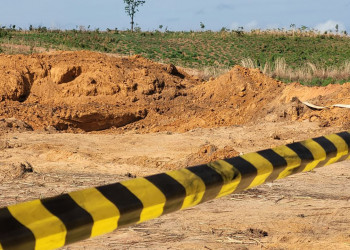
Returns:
<point x="197" y="49"/>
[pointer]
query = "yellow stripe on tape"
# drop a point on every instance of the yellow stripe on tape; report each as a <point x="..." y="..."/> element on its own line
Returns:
<point x="317" y="151"/>
<point x="230" y="176"/>
<point x="104" y="213"/>
<point x="1" y="247"/>
<point x="340" y="144"/>
<point x="48" y="230"/>
<point x="292" y="159"/>
<point x="263" y="166"/>
<point x="153" y="200"/>
<point x="194" y="186"/>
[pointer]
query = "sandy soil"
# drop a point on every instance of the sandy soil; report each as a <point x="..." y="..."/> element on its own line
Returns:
<point x="306" y="210"/>
<point x="70" y="120"/>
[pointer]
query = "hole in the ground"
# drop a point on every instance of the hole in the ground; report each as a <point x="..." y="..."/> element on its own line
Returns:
<point x="27" y="83"/>
<point x="22" y="98"/>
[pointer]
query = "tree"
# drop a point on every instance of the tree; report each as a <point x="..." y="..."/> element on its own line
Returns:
<point x="131" y="8"/>
<point x="202" y="25"/>
<point x="303" y="27"/>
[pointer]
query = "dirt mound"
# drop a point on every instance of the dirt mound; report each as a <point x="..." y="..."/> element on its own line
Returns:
<point x="247" y="96"/>
<point x="85" y="90"/>
<point x="236" y="96"/>
<point x="88" y="91"/>
<point x="49" y="78"/>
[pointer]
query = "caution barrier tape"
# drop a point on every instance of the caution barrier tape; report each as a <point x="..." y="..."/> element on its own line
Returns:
<point x="54" y="222"/>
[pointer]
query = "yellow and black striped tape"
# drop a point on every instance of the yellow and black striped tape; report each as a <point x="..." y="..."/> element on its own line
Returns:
<point x="54" y="222"/>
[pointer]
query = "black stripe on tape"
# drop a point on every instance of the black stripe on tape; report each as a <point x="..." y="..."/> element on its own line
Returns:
<point x="129" y="206"/>
<point x="304" y="154"/>
<point x="277" y="161"/>
<point x="247" y="170"/>
<point x="213" y="180"/>
<point x="346" y="137"/>
<point x="174" y="192"/>
<point x="328" y="146"/>
<point x="78" y="222"/>
<point x="14" y="235"/>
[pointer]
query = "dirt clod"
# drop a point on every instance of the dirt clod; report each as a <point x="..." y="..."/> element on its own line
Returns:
<point x="257" y="232"/>
<point x="14" y="171"/>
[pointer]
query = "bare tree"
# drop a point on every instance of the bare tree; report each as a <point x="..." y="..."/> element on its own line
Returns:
<point x="131" y="8"/>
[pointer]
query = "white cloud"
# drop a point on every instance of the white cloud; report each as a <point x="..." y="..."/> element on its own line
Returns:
<point x="248" y="26"/>
<point x="330" y="25"/>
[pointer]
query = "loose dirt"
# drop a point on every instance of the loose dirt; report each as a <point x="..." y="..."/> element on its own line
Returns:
<point x="71" y="120"/>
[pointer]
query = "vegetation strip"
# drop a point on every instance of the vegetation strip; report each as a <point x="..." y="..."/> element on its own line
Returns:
<point x="54" y="222"/>
<point x="305" y="56"/>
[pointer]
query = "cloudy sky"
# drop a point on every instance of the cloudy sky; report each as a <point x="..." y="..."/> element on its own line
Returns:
<point x="178" y="14"/>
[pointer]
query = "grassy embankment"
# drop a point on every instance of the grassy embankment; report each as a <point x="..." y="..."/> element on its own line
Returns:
<point x="307" y="57"/>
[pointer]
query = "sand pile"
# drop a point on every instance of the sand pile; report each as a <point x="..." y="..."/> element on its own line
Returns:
<point x="88" y="91"/>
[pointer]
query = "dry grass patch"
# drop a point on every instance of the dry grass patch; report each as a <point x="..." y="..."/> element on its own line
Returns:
<point x="309" y="74"/>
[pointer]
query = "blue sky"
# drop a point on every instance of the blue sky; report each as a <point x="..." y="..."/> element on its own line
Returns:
<point x="179" y="14"/>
